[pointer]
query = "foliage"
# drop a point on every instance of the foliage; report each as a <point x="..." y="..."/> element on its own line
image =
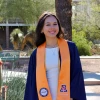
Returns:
<point x="31" y="28"/>
<point x="92" y="31"/>
<point x="95" y="10"/>
<point x="16" y="88"/>
<point x="41" y="6"/>
<point x="11" y="9"/>
<point x="84" y="46"/>
<point x="26" y="10"/>
<point x="95" y="49"/>
<point x="16" y="35"/>
<point x="87" y="19"/>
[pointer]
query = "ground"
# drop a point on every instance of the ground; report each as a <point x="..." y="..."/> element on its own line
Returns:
<point x="93" y="88"/>
<point x="92" y="65"/>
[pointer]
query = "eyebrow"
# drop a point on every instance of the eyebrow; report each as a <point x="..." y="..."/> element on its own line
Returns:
<point x="49" y="22"/>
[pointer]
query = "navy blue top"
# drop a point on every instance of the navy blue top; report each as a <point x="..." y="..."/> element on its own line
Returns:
<point x="77" y="88"/>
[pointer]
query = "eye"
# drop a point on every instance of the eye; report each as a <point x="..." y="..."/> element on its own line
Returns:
<point x="47" y="24"/>
<point x="55" y="24"/>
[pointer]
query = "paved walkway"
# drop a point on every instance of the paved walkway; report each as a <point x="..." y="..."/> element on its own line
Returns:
<point x="92" y="78"/>
<point x="92" y="96"/>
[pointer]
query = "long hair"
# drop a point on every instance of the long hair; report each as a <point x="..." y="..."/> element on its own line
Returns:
<point x="40" y="37"/>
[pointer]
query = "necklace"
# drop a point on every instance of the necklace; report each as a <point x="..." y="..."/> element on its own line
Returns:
<point x="55" y="50"/>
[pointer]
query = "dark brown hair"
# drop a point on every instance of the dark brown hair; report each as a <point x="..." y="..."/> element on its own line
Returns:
<point x="40" y="38"/>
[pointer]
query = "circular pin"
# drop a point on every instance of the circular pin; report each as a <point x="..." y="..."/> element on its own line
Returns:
<point x="43" y="92"/>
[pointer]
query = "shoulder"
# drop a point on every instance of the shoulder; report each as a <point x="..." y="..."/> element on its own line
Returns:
<point x="73" y="49"/>
<point x="33" y="55"/>
<point x="34" y="51"/>
<point x="70" y="43"/>
<point x="72" y="46"/>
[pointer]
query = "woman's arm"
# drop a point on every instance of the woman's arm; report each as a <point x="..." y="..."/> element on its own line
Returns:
<point x="77" y="87"/>
<point x="30" y="90"/>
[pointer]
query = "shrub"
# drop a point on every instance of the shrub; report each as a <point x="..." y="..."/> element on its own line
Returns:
<point x="16" y="87"/>
<point x="95" y="50"/>
<point x="84" y="46"/>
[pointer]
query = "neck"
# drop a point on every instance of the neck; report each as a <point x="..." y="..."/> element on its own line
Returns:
<point x="51" y="43"/>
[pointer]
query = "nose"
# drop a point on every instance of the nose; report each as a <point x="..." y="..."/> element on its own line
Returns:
<point x="52" y="27"/>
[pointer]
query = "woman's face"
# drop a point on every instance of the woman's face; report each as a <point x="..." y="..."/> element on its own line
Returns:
<point x="50" y="28"/>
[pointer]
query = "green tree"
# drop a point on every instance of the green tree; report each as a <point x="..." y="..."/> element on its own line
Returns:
<point x="26" y="10"/>
<point x="87" y="19"/>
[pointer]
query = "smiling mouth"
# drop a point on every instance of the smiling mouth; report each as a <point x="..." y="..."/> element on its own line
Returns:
<point x="52" y="32"/>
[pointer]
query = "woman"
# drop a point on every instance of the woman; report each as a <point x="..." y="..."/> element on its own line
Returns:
<point x="54" y="71"/>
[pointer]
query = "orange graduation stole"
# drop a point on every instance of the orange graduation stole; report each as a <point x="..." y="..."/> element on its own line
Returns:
<point x="43" y="90"/>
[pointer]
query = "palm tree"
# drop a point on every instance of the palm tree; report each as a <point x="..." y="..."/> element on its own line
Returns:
<point x="64" y="13"/>
<point x="28" y="40"/>
<point x="16" y="38"/>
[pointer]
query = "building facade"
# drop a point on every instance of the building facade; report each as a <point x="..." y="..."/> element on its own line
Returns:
<point x="6" y="28"/>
